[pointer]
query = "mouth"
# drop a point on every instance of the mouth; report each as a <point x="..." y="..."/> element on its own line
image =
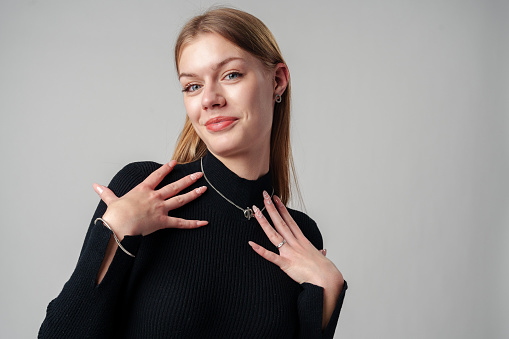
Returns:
<point x="219" y="123"/>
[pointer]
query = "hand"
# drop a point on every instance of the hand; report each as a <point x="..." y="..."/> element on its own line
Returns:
<point x="144" y="210"/>
<point x="298" y="258"/>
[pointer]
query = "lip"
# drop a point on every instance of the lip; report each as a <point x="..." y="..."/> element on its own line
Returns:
<point x="217" y="124"/>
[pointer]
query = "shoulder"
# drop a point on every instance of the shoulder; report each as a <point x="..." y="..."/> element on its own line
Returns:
<point x="131" y="175"/>
<point x="134" y="173"/>
<point x="308" y="226"/>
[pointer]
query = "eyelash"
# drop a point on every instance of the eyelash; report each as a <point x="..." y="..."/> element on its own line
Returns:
<point x="238" y="74"/>
<point x="188" y="87"/>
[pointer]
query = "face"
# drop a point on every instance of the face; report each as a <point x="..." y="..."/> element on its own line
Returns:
<point x="229" y="96"/>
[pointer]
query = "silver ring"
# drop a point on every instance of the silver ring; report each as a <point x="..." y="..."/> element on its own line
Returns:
<point x="281" y="243"/>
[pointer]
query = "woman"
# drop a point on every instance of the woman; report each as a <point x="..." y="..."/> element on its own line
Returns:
<point x="198" y="256"/>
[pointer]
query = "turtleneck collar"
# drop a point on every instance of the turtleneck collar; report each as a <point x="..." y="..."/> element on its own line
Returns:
<point x="243" y="192"/>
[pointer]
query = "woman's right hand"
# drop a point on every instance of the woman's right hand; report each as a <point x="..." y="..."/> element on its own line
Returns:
<point x="144" y="209"/>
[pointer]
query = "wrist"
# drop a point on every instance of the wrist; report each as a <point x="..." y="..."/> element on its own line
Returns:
<point x="332" y="282"/>
<point x="117" y="240"/>
<point x="114" y="224"/>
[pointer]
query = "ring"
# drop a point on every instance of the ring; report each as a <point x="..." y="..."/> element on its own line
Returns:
<point x="281" y="243"/>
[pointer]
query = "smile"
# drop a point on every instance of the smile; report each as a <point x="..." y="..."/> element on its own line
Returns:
<point x="219" y="123"/>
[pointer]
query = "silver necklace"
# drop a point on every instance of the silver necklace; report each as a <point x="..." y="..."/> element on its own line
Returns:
<point x="248" y="212"/>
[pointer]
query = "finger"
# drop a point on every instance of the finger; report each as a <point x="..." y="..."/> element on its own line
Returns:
<point x="184" y="223"/>
<point x="174" y="188"/>
<point x="268" y="255"/>
<point x="283" y="212"/>
<point x="158" y="175"/>
<point x="274" y="237"/>
<point x="182" y="199"/>
<point x="105" y="193"/>
<point x="278" y="222"/>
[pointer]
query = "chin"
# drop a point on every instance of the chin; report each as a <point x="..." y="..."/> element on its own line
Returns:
<point x="224" y="151"/>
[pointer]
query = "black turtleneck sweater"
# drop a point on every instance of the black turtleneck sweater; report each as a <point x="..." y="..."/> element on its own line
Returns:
<point x="200" y="283"/>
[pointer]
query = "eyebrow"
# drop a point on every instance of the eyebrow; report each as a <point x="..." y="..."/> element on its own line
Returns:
<point x="215" y="67"/>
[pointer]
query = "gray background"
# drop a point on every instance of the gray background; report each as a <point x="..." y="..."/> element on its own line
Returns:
<point x="399" y="131"/>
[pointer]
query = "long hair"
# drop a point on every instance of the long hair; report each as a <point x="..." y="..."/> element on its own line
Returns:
<point x="249" y="33"/>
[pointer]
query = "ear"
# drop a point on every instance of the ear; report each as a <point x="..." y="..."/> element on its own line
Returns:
<point x="281" y="78"/>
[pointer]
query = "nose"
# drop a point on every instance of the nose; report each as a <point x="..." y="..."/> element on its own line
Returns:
<point x="212" y="97"/>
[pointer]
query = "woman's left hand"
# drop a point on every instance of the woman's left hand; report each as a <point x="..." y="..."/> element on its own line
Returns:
<point x="298" y="257"/>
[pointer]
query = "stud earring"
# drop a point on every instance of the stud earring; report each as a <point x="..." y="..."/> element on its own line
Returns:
<point x="278" y="98"/>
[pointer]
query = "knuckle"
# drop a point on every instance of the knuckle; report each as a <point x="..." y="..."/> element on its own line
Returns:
<point x="275" y="237"/>
<point x="175" y="187"/>
<point x="160" y="205"/>
<point x="154" y="195"/>
<point x="179" y="200"/>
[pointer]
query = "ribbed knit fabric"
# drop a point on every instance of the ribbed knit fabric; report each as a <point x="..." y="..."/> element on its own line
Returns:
<point x="200" y="283"/>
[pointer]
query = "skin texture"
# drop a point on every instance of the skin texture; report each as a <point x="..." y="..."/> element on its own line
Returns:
<point x="221" y="80"/>
<point x="229" y="96"/>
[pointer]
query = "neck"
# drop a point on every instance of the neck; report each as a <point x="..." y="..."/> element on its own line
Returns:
<point x="250" y="167"/>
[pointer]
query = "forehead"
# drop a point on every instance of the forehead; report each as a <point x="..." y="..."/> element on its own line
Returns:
<point x="208" y="50"/>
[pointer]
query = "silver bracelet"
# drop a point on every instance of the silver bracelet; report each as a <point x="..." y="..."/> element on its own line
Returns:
<point x="114" y="236"/>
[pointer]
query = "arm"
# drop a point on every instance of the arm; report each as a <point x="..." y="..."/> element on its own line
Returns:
<point x="323" y="284"/>
<point x="311" y="312"/>
<point x="88" y="305"/>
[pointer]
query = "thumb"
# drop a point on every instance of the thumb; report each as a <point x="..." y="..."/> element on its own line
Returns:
<point x="105" y="193"/>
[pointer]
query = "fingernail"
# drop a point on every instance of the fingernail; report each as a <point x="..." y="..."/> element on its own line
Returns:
<point x="257" y="211"/>
<point x="172" y="163"/>
<point x="253" y="245"/>
<point x="100" y="189"/>
<point x="201" y="189"/>
<point x="196" y="175"/>
<point x="201" y="223"/>
<point x="277" y="200"/>
<point x="266" y="195"/>
<point x="267" y="198"/>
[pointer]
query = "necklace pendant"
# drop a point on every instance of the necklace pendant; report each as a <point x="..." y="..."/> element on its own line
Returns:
<point x="248" y="213"/>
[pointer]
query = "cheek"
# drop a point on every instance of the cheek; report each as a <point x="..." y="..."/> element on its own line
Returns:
<point x="260" y="99"/>
<point x="193" y="109"/>
<point x="265" y="105"/>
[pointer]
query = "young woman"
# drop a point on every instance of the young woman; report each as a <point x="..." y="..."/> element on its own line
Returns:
<point x="206" y="248"/>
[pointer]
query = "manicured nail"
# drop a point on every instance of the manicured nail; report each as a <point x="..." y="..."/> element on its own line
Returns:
<point x="201" y="223"/>
<point x="196" y="175"/>
<point x="100" y="189"/>
<point x="277" y="200"/>
<point x="253" y="245"/>
<point x="267" y="198"/>
<point x="324" y="252"/>
<point x="201" y="189"/>
<point x="257" y="211"/>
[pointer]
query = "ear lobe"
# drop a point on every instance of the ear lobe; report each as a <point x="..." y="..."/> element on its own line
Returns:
<point x="281" y="78"/>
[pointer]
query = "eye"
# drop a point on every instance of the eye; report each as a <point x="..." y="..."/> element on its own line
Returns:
<point x="233" y="76"/>
<point x="191" y="88"/>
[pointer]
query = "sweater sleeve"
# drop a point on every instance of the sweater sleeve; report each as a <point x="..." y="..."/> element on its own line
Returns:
<point x="84" y="309"/>
<point x="310" y="300"/>
<point x="310" y="305"/>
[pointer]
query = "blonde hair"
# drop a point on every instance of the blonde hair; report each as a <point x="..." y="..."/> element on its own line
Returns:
<point x="250" y="34"/>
